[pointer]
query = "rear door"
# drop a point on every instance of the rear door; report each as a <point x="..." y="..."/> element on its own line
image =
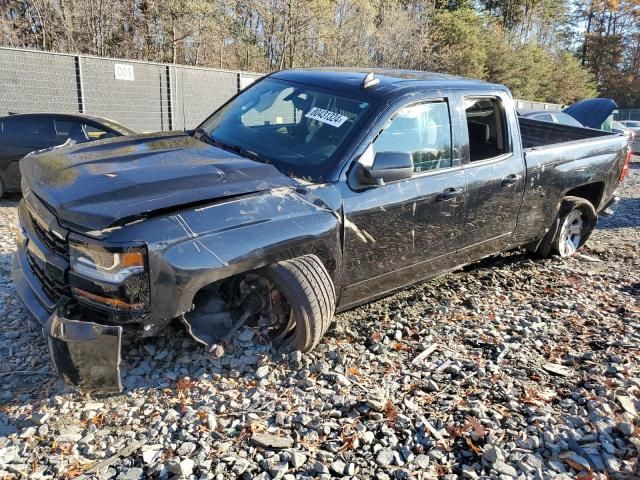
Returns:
<point x="398" y="233"/>
<point x="494" y="175"/>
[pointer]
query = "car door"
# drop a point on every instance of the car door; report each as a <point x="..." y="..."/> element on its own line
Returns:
<point x="494" y="175"/>
<point x="23" y="135"/>
<point x="399" y="233"/>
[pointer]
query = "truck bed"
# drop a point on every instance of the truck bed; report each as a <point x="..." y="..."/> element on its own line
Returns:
<point x="560" y="158"/>
<point x="536" y="133"/>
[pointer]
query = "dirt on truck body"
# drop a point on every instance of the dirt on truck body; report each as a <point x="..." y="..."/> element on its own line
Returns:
<point x="310" y="192"/>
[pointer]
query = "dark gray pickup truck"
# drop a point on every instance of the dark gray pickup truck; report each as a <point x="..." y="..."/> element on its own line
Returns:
<point x="308" y="193"/>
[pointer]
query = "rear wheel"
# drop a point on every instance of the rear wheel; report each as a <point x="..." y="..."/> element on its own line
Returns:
<point x="570" y="238"/>
<point x="572" y="227"/>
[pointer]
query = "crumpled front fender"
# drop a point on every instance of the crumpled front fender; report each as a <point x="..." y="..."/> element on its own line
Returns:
<point x="85" y="354"/>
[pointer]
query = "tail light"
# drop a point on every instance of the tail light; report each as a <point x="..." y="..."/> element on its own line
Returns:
<point x="625" y="167"/>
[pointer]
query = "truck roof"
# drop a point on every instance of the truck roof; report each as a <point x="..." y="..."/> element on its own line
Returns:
<point x="392" y="82"/>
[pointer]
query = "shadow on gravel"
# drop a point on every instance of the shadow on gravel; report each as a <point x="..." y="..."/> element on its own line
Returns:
<point x="633" y="289"/>
<point x="25" y="370"/>
<point x="626" y="214"/>
<point x="502" y="260"/>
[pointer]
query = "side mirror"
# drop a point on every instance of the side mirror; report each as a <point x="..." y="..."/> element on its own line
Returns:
<point x="388" y="167"/>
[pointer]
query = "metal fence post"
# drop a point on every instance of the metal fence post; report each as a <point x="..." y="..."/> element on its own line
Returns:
<point x="169" y="102"/>
<point x="79" y="84"/>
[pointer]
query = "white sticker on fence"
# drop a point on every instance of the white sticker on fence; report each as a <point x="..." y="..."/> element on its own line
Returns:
<point x="123" y="72"/>
<point x="326" y="116"/>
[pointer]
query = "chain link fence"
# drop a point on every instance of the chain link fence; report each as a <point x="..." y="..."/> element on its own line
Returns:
<point x="627" y="114"/>
<point x="144" y="96"/>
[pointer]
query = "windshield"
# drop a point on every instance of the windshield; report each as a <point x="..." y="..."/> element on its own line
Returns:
<point x="300" y="129"/>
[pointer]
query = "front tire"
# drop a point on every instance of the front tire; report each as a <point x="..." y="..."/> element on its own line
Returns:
<point x="308" y="289"/>
<point x="571" y="228"/>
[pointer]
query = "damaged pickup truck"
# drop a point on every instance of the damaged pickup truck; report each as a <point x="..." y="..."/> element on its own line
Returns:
<point x="310" y="192"/>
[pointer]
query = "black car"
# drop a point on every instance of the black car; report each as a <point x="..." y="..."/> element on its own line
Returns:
<point x="24" y="133"/>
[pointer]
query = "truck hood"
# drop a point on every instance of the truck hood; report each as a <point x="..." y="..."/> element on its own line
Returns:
<point x="592" y="112"/>
<point x="109" y="182"/>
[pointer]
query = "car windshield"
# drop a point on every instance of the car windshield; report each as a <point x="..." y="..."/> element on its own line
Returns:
<point x="566" y="119"/>
<point x="298" y="128"/>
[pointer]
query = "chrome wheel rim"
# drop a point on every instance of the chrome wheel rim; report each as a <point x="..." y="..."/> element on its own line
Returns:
<point x="571" y="233"/>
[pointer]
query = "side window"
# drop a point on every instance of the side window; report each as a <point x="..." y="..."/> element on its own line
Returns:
<point x="95" y="133"/>
<point x="69" y="129"/>
<point x="422" y="130"/>
<point x="36" y="131"/>
<point x="486" y="123"/>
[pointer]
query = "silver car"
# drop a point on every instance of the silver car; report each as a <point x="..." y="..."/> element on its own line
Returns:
<point x="632" y="129"/>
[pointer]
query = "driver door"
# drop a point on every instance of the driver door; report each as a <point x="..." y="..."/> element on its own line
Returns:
<point x="399" y="233"/>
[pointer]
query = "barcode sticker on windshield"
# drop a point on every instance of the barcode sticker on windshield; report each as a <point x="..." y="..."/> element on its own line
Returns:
<point x="326" y="116"/>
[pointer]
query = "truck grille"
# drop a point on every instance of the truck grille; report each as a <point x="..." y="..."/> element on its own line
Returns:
<point x="58" y="245"/>
<point x="53" y="290"/>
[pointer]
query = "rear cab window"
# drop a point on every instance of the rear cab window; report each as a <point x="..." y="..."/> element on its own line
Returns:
<point x="487" y="128"/>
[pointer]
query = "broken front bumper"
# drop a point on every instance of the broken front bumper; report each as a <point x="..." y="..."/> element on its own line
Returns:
<point x="85" y="354"/>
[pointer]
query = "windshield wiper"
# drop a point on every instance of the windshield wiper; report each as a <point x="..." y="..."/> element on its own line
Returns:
<point x="201" y="134"/>
<point x="240" y="150"/>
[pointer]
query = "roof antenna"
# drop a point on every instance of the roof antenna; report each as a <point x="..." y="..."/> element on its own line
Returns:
<point x="369" y="81"/>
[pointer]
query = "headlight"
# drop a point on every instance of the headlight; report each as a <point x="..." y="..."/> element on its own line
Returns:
<point x="107" y="265"/>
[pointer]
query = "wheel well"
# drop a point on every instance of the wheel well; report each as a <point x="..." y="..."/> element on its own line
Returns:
<point x="591" y="192"/>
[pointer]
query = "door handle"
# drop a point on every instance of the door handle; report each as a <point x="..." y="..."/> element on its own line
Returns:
<point x="509" y="180"/>
<point x="448" y="194"/>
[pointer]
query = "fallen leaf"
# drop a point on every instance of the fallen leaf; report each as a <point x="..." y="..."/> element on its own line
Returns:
<point x="477" y="450"/>
<point x="477" y="427"/>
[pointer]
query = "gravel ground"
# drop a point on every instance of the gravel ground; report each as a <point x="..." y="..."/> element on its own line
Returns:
<point x="514" y="367"/>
